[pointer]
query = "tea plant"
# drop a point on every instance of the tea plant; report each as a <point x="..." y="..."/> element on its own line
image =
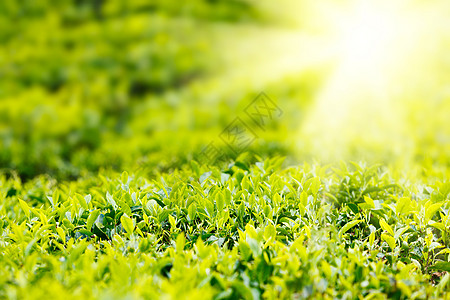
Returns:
<point x="247" y="231"/>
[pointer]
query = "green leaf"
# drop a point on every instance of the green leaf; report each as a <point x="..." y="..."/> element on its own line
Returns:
<point x="172" y="221"/>
<point x="192" y="211"/>
<point x="245" y="292"/>
<point x="82" y="201"/>
<point x="127" y="223"/>
<point x="403" y="205"/>
<point x="437" y="225"/>
<point x="68" y="224"/>
<point x="441" y="266"/>
<point x="431" y="210"/>
<point x="241" y="165"/>
<point x="209" y="208"/>
<point x="270" y="232"/>
<point x="91" y="219"/>
<point x="389" y="240"/>
<point x="220" y="201"/>
<point x="353" y="207"/>
<point x="88" y="198"/>
<point x="304" y="198"/>
<point x="443" y="283"/>
<point x="61" y="234"/>
<point x="25" y="207"/>
<point x="301" y="209"/>
<point x="86" y="232"/>
<point x="51" y="201"/>
<point x="55" y="198"/>
<point x="143" y="245"/>
<point x="245" y="250"/>
<point x="367" y="204"/>
<point x="400" y="232"/>
<point x="204" y="176"/>
<point x="29" y="247"/>
<point x="124" y="177"/>
<point x="347" y="226"/>
<point x="152" y="206"/>
<point x="372" y="238"/>
<point x="276" y="200"/>
<point x="180" y="242"/>
<point x="125" y="208"/>
<point x="254" y="246"/>
<point x="313" y="185"/>
<point x="241" y="210"/>
<point x="111" y="201"/>
<point x="162" y="216"/>
<point x="227" y="196"/>
<point x="385" y="226"/>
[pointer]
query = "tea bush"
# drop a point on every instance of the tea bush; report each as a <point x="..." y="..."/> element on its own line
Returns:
<point x="247" y="231"/>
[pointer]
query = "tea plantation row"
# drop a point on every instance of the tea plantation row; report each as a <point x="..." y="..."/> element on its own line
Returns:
<point x="247" y="231"/>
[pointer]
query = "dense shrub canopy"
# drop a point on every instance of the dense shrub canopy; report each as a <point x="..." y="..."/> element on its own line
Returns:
<point x="236" y="233"/>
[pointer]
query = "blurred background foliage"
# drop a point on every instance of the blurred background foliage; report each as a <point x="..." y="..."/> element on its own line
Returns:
<point x="89" y="85"/>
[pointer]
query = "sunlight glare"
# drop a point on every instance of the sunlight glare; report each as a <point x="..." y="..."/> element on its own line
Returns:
<point x="367" y="36"/>
<point x="375" y="46"/>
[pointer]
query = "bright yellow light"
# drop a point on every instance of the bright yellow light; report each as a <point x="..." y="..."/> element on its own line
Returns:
<point x="373" y="56"/>
<point x="380" y="49"/>
<point x="367" y="36"/>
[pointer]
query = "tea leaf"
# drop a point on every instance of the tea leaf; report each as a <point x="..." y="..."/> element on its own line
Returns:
<point x="127" y="223"/>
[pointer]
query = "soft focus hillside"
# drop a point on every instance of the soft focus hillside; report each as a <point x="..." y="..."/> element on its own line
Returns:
<point x="119" y="84"/>
<point x="136" y="84"/>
